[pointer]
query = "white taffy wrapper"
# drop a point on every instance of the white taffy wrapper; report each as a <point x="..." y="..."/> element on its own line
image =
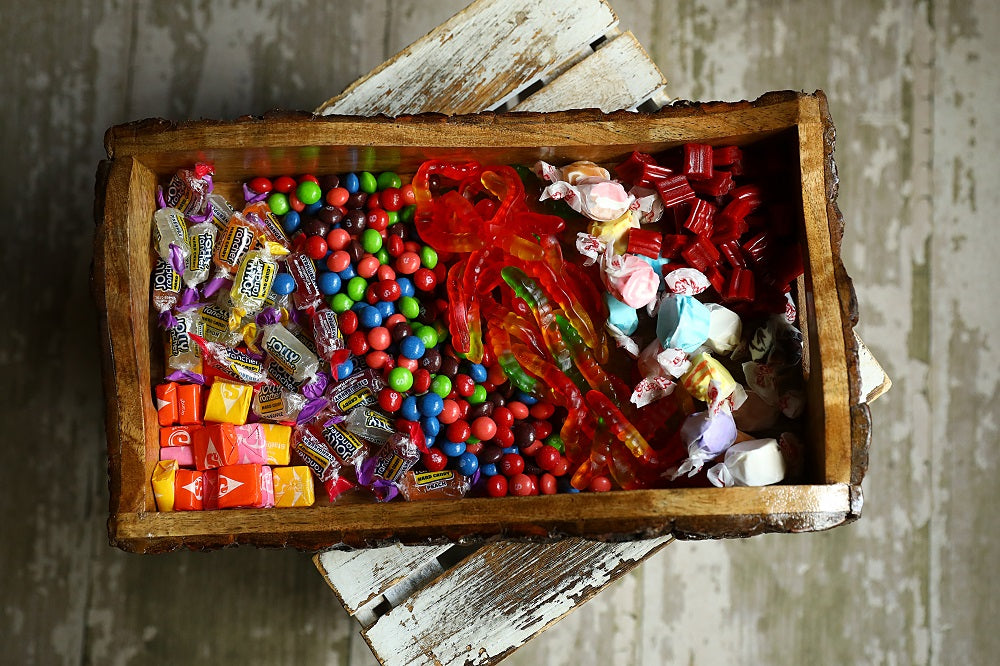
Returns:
<point x="647" y="205"/>
<point x="757" y="462"/>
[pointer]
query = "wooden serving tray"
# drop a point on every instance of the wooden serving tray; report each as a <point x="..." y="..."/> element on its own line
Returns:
<point x="143" y="153"/>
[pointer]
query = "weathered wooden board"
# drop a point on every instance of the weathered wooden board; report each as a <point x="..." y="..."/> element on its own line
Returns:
<point x="619" y="75"/>
<point x="462" y="619"/>
<point x="910" y="583"/>
<point x="458" y="69"/>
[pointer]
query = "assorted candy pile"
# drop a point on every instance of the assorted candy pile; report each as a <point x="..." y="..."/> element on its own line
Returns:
<point x="433" y="340"/>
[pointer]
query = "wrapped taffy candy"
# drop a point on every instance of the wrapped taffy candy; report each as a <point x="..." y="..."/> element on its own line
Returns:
<point x="253" y="281"/>
<point x="587" y="188"/>
<point x="306" y="295"/>
<point x="706" y="436"/>
<point x="273" y="403"/>
<point x="260" y="214"/>
<point x="166" y="290"/>
<point x="289" y="352"/>
<point x="446" y="484"/>
<point x="188" y="189"/>
<point x="756" y="462"/>
<point x="327" y="336"/>
<point x="201" y="238"/>
<point x="182" y="352"/>
<point x="385" y="469"/>
<point x="234" y="363"/>
<point x="630" y="279"/>
<point x="316" y="455"/>
<point x="170" y="236"/>
<point x="222" y="210"/>
<point x="240" y="236"/>
<point x="369" y="425"/>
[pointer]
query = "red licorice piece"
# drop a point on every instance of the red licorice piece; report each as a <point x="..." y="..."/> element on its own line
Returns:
<point x="701" y="218"/>
<point x="697" y="161"/>
<point x="759" y="248"/>
<point x="719" y="184"/>
<point x="630" y="170"/>
<point x="645" y="242"/>
<point x="652" y="174"/>
<point x="727" y="228"/>
<point x="674" y="190"/>
<point x="726" y="155"/>
<point x="716" y="278"/>
<point x="701" y="254"/>
<point x="745" y="200"/>
<point x="785" y="265"/>
<point x="733" y="253"/>
<point x="741" y="285"/>
<point x="672" y="244"/>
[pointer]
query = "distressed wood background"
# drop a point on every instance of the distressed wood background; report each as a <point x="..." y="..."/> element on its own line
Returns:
<point x="914" y="91"/>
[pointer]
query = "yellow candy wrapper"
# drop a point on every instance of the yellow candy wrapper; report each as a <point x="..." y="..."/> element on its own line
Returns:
<point x="228" y="402"/>
<point x="707" y="380"/>
<point x="293" y="486"/>
<point x="163" y="484"/>
<point x="277" y="439"/>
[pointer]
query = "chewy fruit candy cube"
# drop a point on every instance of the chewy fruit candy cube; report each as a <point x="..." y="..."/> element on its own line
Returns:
<point x="177" y="435"/>
<point x="189" y="404"/>
<point x="166" y="403"/>
<point x="189" y="490"/>
<point x="277" y="443"/>
<point x="251" y="444"/>
<point x="182" y="455"/>
<point x="215" y="446"/>
<point x="228" y="402"/>
<point x="239" y="486"/>
<point x="293" y="486"/>
<point x="266" y="488"/>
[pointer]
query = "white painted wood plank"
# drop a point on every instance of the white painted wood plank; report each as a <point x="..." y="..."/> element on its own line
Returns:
<point x="359" y="576"/>
<point x="462" y="620"/>
<point x="874" y="381"/>
<point x="478" y="58"/>
<point x="619" y="75"/>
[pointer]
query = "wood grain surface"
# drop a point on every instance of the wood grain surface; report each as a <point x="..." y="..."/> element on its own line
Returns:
<point x="914" y="93"/>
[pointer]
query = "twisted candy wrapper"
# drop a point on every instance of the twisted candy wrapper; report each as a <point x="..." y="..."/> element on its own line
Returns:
<point x="630" y="279"/>
<point x="757" y="462"/>
<point x="587" y="188"/>
<point x="706" y="435"/>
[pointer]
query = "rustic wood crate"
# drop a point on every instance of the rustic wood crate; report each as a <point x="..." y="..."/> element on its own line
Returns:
<point x="142" y="154"/>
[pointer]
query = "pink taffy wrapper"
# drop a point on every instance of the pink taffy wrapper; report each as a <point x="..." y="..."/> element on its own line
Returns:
<point x="630" y="279"/>
<point x="597" y="198"/>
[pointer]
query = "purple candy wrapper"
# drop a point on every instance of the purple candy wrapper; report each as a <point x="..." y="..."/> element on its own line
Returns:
<point x="160" y="201"/>
<point x="198" y="218"/>
<point x="252" y="197"/>
<point x="707" y="435"/>
<point x="185" y="376"/>
<point x="213" y="285"/>
<point x="167" y="320"/>
<point x="176" y="259"/>
<point x="317" y="387"/>
<point x="268" y="317"/>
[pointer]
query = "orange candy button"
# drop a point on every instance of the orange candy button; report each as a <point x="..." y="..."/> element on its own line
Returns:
<point x="215" y="446"/>
<point x="189" y="490"/>
<point x="239" y="486"/>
